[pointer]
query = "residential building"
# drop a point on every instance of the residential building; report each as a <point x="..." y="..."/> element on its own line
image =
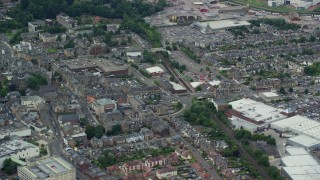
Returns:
<point x="132" y="166"/>
<point x="72" y="119"/>
<point x="134" y="138"/>
<point x="166" y="173"/>
<point x="52" y="168"/>
<point x="16" y="149"/>
<point x="154" y="161"/>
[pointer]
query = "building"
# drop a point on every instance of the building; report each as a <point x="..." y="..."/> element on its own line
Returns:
<point x="133" y="166"/>
<point x="205" y="27"/>
<point x="219" y="104"/>
<point x="12" y="129"/>
<point x="66" y="21"/>
<point x="104" y="105"/>
<point x="299" y="125"/>
<point x="72" y="119"/>
<point x="236" y="10"/>
<point x="253" y="115"/>
<point x="132" y="138"/>
<point x="299" y="164"/>
<point x="52" y="168"/>
<point x="16" y="149"/>
<point x="184" y="18"/>
<point x="32" y="102"/>
<point x="155" y="71"/>
<point x="94" y="65"/>
<point x="305" y="142"/>
<point x="35" y="26"/>
<point x="177" y="88"/>
<point x="134" y="57"/>
<point x="269" y="96"/>
<point x="166" y="173"/>
<point x="155" y="161"/>
<point x="137" y="103"/>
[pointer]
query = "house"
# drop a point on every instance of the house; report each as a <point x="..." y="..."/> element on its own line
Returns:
<point x="120" y="139"/>
<point x="184" y="154"/>
<point x="32" y="102"/>
<point x="132" y="166"/>
<point x="172" y="159"/>
<point x="154" y="161"/>
<point x="96" y="143"/>
<point x="72" y="119"/>
<point x="166" y="173"/>
<point x="162" y="130"/>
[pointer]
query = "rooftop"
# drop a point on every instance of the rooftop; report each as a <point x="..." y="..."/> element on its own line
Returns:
<point x="305" y="140"/>
<point x="257" y="111"/>
<point x="223" y="24"/>
<point x="11" y="146"/>
<point x="296" y="151"/>
<point x="154" y="69"/>
<point x="177" y="87"/>
<point x="104" y="101"/>
<point x="49" y="167"/>
<point x="306" y="171"/>
<point x="299" y="160"/>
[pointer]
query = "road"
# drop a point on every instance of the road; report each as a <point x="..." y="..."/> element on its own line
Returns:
<point x="198" y="156"/>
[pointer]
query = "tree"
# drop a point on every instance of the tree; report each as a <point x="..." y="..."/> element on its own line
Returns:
<point x="115" y="130"/>
<point x="9" y="166"/>
<point x="198" y="88"/>
<point x="306" y="91"/>
<point x="282" y="90"/>
<point x="70" y="2"/>
<point x="24" y="4"/>
<point x="172" y="78"/>
<point x="178" y="106"/>
<point x="291" y="90"/>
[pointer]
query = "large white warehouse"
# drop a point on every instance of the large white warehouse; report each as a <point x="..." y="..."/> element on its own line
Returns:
<point x="253" y="115"/>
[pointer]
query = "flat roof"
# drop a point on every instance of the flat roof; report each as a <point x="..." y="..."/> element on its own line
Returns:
<point x="305" y="140"/>
<point x="104" y="101"/>
<point x="285" y="123"/>
<point x="270" y="94"/>
<point x="215" y="82"/>
<point x="176" y="86"/>
<point x="306" y="177"/>
<point x="306" y="171"/>
<point x="296" y="151"/>
<point x="134" y="54"/>
<point x="106" y="65"/>
<point x="223" y="24"/>
<point x="195" y="84"/>
<point x="257" y="111"/>
<point x="49" y="167"/>
<point x="155" y="69"/>
<point x="299" y="160"/>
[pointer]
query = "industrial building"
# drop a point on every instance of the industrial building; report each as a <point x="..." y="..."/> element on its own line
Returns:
<point x="299" y="125"/>
<point x="304" y="141"/>
<point x="253" y="115"/>
<point x="52" y="168"/>
<point x="14" y="129"/>
<point x="299" y="164"/>
<point x="210" y="26"/>
<point x="16" y="149"/>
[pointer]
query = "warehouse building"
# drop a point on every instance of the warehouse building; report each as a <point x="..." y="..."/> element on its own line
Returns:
<point x="304" y="141"/>
<point x="155" y="71"/>
<point x="299" y="125"/>
<point x="253" y="115"/>
<point x="299" y="164"/>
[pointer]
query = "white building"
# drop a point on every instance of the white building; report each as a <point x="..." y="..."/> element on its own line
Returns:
<point x="304" y="141"/>
<point x="299" y="125"/>
<point x="155" y="71"/>
<point x="166" y="173"/>
<point x="17" y="149"/>
<point x="11" y="130"/>
<point x="32" y="102"/>
<point x="300" y="165"/>
<point x="253" y="115"/>
<point x="134" y="56"/>
<point x="52" y="168"/>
